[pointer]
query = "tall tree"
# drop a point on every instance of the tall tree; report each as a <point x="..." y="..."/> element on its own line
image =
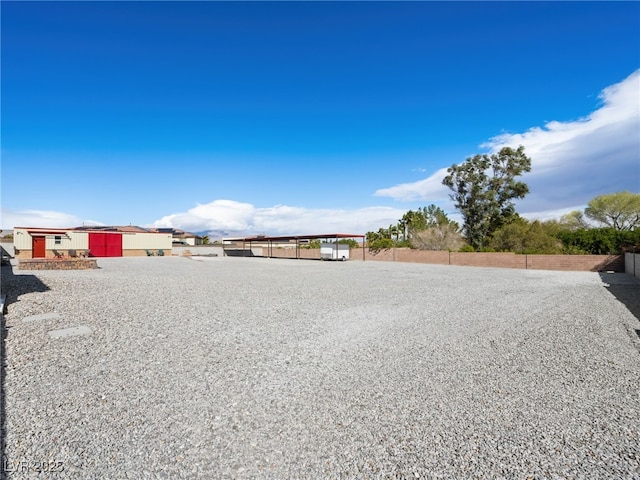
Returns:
<point x="435" y="216"/>
<point x="402" y="228"/>
<point x="413" y="221"/>
<point x="394" y="231"/>
<point x="379" y="240"/>
<point x="483" y="189"/>
<point x="574" y="221"/>
<point x="620" y="211"/>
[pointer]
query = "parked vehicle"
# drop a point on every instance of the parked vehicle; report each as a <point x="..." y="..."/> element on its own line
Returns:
<point x="334" y="251"/>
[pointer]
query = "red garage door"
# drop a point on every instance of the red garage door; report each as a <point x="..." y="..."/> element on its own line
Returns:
<point x="105" y="244"/>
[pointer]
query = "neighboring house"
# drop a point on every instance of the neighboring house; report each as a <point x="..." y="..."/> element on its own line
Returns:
<point x="113" y="241"/>
<point x="180" y="237"/>
<point x="186" y="238"/>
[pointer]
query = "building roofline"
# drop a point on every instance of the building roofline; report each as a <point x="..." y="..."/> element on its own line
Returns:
<point x="97" y="229"/>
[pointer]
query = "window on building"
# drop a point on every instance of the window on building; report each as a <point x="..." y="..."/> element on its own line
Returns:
<point x="57" y="239"/>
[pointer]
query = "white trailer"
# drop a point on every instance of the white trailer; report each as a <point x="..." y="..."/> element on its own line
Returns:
<point x="334" y="251"/>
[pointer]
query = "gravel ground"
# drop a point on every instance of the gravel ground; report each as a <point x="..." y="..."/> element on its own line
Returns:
<point x="220" y="368"/>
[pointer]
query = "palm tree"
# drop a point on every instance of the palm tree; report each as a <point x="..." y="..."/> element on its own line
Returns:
<point x="393" y="231"/>
<point x="402" y="227"/>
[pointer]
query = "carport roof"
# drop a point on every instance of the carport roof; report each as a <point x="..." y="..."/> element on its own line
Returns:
<point x="265" y="238"/>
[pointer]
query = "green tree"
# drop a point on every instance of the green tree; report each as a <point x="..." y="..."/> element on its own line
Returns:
<point x="620" y="211"/>
<point x="205" y="240"/>
<point x="573" y="221"/>
<point x="420" y="220"/>
<point x="434" y="216"/>
<point x="519" y="235"/>
<point x="379" y="240"/>
<point x="394" y="232"/>
<point x="484" y="187"/>
<point x="402" y="228"/>
<point x="599" y="241"/>
<point x="413" y="222"/>
<point x="435" y="230"/>
<point x="380" y="243"/>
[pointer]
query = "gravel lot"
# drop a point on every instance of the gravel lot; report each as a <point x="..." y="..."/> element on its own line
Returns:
<point x="291" y="369"/>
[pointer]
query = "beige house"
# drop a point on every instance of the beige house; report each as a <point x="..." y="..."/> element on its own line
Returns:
<point x="180" y="237"/>
<point x="114" y="241"/>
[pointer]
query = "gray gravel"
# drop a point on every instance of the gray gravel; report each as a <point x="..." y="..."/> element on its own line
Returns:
<point x="293" y="369"/>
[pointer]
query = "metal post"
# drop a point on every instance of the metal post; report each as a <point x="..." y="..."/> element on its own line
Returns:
<point x="364" y="243"/>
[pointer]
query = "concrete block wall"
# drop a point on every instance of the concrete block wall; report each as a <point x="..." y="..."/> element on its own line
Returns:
<point x="484" y="259"/>
<point x="419" y="256"/>
<point x="197" y="250"/>
<point x="590" y="263"/>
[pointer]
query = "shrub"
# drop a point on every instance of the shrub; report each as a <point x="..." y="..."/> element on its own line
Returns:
<point x="599" y="241"/>
<point x="520" y="236"/>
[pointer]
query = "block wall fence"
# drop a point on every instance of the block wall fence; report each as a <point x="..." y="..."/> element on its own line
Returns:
<point x="588" y="263"/>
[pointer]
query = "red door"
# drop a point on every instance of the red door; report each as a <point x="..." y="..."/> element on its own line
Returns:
<point x="97" y="245"/>
<point x="38" y="245"/>
<point x="114" y="245"/>
<point x="105" y="244"/>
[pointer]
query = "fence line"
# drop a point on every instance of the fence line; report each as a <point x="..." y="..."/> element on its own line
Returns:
<point x="593" y="263"/>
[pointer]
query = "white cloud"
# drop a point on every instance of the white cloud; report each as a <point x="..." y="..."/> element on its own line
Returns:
<point x="552" y="214"/>
<point x="572" y="162"/>
<point x="40" y="218"/>
<point x="430" y="189"/>
<point x="236" y="218"/>
<point x="217" y="215"/>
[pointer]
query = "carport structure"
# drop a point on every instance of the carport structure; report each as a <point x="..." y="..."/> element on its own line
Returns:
<point x="269" y="242"/>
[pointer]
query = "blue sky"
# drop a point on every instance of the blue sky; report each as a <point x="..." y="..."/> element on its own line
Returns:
<point x="307" y="117"/>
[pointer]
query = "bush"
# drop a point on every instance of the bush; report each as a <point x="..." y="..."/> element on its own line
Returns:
<point x="599" y="241"/>
<point x="381" y="244"/>
<point x="520" y="236"/>
<point x="438" y="237"/>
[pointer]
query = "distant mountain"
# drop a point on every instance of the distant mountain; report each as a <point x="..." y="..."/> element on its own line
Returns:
<point x="221" y="234"/>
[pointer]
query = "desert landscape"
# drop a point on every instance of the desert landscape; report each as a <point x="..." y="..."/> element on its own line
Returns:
<point x="221" y="367"/>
